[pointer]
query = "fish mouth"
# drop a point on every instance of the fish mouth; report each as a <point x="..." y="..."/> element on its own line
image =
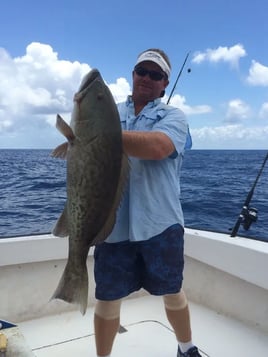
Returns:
<point x="92" y="76"/>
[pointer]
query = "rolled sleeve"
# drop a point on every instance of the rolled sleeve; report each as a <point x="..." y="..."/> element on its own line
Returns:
<point x="175" y="126"/>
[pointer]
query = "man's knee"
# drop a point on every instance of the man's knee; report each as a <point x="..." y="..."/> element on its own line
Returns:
<point x="175" y="301"/>
<point x="108" y="310"/>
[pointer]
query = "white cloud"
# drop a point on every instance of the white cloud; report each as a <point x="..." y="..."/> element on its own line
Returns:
<point x="180" y="102"/>
<point x="263" y="114"/>
<point x="258" y="74"/>
<point x="4" y="123"/>
<point x="230" y="137"/>
<point x="120" y="90"/>
<point x="42" y="60"/>
<point x="36" y="85"/>
<point x="237" y="110"/>
<point x="230" y="55"/>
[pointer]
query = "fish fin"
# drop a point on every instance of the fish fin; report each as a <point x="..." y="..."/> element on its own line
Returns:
<point x="65" y="129"/>
<point x="73" y="286"/>
<point x="60" y="151"/>
<point x="61" y="227"/>
<point x="110" y="222"/>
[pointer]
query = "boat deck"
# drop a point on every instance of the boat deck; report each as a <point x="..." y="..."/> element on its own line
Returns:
<point x="147" y="333"/>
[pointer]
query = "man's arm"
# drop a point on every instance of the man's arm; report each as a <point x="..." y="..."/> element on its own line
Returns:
<point x="147" y="145"/>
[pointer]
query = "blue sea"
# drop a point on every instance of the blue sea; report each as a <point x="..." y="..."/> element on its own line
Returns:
<point x="214" y="187"/>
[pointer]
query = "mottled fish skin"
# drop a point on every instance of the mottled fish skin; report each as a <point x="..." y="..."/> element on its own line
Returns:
<point x="97" y="170"/>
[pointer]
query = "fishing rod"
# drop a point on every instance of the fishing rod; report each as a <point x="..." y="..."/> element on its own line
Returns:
<point x="248" y="215"/>
<point x="189" y="70"/>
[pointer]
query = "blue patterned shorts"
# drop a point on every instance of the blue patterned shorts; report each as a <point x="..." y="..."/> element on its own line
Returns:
<point x="155" y="265"/>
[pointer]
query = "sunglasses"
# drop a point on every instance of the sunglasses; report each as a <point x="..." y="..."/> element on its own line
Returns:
<point x="154" y="75"/>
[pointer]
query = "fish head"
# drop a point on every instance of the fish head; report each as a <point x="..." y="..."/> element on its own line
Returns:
<point x="88" y="79"/>
<point x="94" y="106"/>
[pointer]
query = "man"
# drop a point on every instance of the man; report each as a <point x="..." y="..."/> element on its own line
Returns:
<point x="145" y="249"/>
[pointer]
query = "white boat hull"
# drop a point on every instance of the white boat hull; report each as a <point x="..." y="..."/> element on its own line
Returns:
<point x="223" y="274"/>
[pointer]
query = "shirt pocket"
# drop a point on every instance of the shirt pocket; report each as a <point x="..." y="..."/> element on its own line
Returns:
<point x="147" y="122"/>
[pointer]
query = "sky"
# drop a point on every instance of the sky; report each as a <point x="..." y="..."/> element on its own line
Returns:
<point x="47" y="47"/>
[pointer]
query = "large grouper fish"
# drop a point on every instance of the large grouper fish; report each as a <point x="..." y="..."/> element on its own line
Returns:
<point x="97" y="171"/>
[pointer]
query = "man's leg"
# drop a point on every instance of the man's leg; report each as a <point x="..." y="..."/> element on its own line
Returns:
<point x="177" y="311"/>
<point x="106" y="324"/>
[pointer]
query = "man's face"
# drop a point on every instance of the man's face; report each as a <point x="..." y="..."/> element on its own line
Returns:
<point x="144" y="87"/>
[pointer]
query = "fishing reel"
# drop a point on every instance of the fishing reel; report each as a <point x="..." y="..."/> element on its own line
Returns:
<point x="250" y="215"/>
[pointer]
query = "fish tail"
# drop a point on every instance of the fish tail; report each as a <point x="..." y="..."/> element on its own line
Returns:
<point x="73" y="287"/>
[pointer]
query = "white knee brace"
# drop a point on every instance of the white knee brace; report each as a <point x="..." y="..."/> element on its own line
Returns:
<point x="108" y="310"/>
<point x="175" y="301"/>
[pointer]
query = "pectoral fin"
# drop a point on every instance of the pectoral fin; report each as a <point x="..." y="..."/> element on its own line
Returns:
<point x="65" y="129"/>
<point x="60" y="152"/>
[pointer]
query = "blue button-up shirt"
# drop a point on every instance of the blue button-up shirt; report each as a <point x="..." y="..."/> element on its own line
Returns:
<point x="151" y="201"/>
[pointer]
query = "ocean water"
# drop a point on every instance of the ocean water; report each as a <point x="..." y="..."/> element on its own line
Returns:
<point x="214" y="187"/>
